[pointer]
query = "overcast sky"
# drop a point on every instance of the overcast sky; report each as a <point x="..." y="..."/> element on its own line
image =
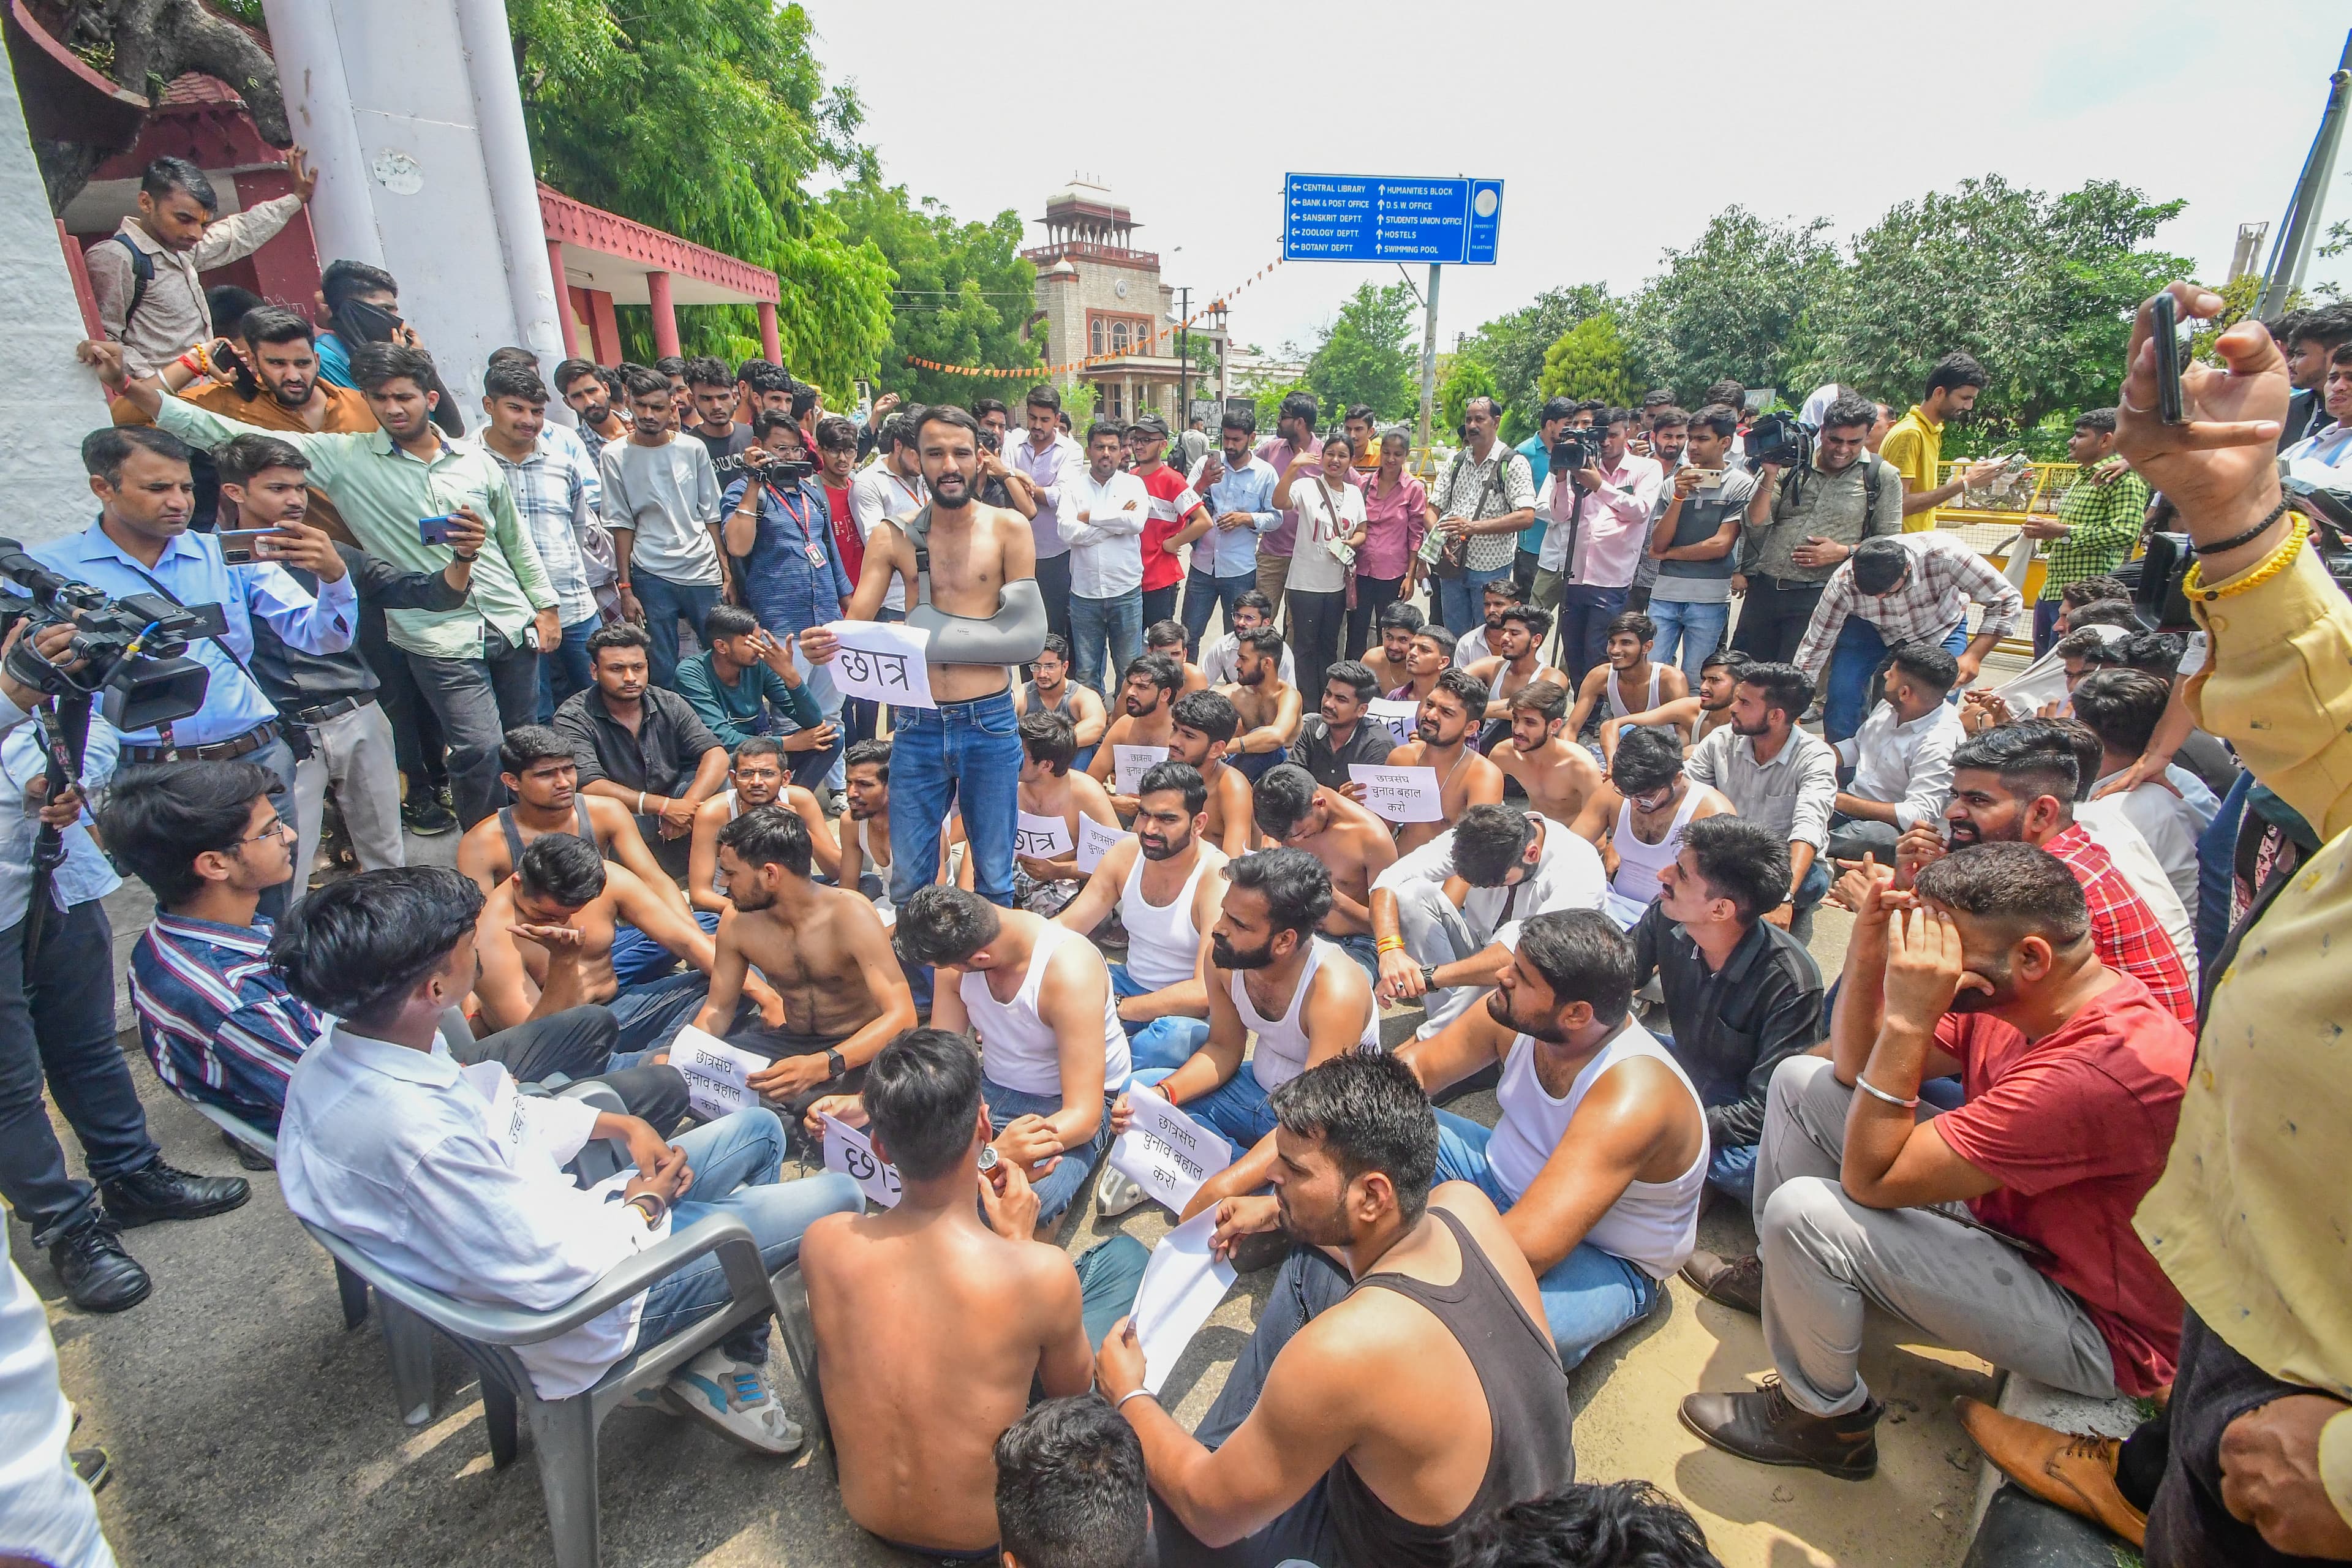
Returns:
<point x="1618" y="132"/>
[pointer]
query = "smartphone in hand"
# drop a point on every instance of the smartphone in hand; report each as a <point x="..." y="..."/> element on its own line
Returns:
<point x="435" y="530"/>
<point x="244" y="546"/>
<point x="2165" y="331"/>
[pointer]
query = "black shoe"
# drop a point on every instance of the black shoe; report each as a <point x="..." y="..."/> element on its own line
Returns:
<point x="441" y="793"/>
<point x="1734" y="1282"/>
<point x="250" y="1158"/>
<point x="1765" y="1426"/>
<point x="427" y="818"/>
<point x="98" y="1275"/>
<point x="159" y="1192"/>
<point x="94" y="1466"/>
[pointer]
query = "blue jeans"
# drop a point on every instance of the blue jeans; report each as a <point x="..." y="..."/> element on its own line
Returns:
<point x="1203" y="595"/>
<point x="666" y="603"/>
<point x="1109" y="1277"/>
<point x="1238" y="1107"/>
<point x="1360" y="947"/>
<point x="1059" y="1186"/>
<point x="1255" y="765"/>
<point x="1095" y="623"/>
<point x="1589" y="1296"/>
<point x="2217" y="872"/>
<point x="1693" y="631"/>
<point x="965" y="755"/>
<point x="734" y="1161"/>
<point x="1462" y="601"/>
<point x="652" y="1012"/>
<point x="1732" y="1173"/>
<point x="1846" y="698"/>
<point x="564" y="670"/>
<point x="637" y="958"/>
<point x="1585" y="613"/>
<point x="1161" y="1042"/>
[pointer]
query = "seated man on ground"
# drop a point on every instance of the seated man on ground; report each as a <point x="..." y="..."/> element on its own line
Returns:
<point x="1641" y="814"/>
<point x="1270" y="976"/>
<point x="1694" y="717"/>
<point x="1630" y="681"/>
<point x="1045" y="884"/>
<point x="1633" y="1522"/>
<point x="755" y="778"/>
<point x="1269" y="706"/>
<point x="1774" y="771"/>
<point x="1353" y="844"/>
<point x="1205" y="723"/>
<point x="2074" y="1075"/>
<point x="1741" y="994"/>
<point x="1516" y="663"/>
<point x="1446" y="733"/>
<point x="1053" y="1052"/>
<point x="1050" y="689"/>
<point x="744" y="683"/>
<point x="1167" y="882"/>
<point x="1070" y="1489"/>
<point x="1477" y="643"/>
<point x="863" y="828"/>
<point x="1405" y="1390"/>
<point x="1429" y="655"/>
<point x="546" y="944"/>
<point x="386" y="1142"/>
<point x="1341" y="733"/>
<point x="1600" y="1153"/>
<point x="2172" y="810"/>
<point x="1146" y="697"/>
<point x="218" y="1024"/>
<point x="1168" y="638"/>
<point x="1221" y="660"/>
<point x="1898" y="765"/>
<point x="825" y="951"/>
<point x="1386" y="659"/>
<point x="1445" y="916"/>
<point x="641" y="744"/>
<point x="1554" y="773"/>
<point x="911" y="1302"/>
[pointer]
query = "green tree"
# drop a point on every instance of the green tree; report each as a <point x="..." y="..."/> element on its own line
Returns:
<point x="706" y="118"/>
<point x="1469" y="377"/>
<point x="1731" y="305"/>
<point x="963" y="293"/>
<point x="1589" y="361"/>
<point x="2039" y="288"/>
<point x="1363" y="357"/>
<point x="1512" y="348"/>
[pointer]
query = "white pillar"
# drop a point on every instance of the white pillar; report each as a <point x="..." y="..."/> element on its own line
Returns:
<point x="304" y="41"/>
<point x="514" y="189"/>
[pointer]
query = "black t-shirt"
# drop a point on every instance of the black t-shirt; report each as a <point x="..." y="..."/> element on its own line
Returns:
<point x="1371" y="744"/>
<point x="726" y="451"/>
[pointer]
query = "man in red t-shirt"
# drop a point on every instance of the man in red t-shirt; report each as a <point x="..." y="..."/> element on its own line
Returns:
<point x="836" y="460"/>
<point x="1177" y="518"/>
<point x="2073" y="1075"/>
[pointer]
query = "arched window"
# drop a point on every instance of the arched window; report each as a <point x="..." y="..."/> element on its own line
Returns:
<point x="1096" y="333"/>
<point x="1118" y="337"/>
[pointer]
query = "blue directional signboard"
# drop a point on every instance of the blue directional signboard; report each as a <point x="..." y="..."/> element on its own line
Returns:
<point x="1391" y="217"/>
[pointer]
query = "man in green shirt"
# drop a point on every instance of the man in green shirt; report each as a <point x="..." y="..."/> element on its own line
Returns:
<point x="478" y="665"/>
<point x="2099" y="520"/>
<point x="744" y="683"/>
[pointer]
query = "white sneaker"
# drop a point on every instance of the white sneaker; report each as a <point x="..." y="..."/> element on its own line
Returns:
<point x="1116" y="1193"/>
<point x="733" y="1396"/>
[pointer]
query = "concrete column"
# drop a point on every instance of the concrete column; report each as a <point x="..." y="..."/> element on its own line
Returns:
<point x="664" y="313"/>
<point x="514" y="188"/>
<point x="307" y="46"/>
<point x="46" y="414"/>
<point x="564" y="294"/>
<point x="604" y="327"/>
<point x="771" y="344"/>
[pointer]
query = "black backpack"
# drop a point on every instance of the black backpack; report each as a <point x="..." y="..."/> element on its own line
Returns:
<point x="143" y="273"/>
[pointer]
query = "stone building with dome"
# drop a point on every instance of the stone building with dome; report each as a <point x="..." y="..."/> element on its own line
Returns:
<point x="1100" y="298"/>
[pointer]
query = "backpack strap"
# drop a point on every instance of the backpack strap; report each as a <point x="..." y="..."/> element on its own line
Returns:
<point x="143" y="273"/>
<point x="919" y="534"/>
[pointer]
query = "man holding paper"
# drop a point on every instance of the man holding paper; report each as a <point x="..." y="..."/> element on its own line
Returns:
<point x="1447" y="730"/>
<point x="924" y="1298"/>
<point x="974" y="569"/>
<point x="1147" y="719"/>
<point x="1054" y="801"/>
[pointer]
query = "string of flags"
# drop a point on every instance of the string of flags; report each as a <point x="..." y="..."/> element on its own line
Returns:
<point x="1144" y="344"/>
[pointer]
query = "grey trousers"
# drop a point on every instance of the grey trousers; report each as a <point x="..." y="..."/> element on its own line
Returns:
<point x="1852" y="836"/>
<point x="1826" y="1256"/>
<point x="1434" y="931"/>
<point x="353" y="756"/>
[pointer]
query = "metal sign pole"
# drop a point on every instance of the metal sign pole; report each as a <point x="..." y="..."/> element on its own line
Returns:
<point x="1428" y="361"/>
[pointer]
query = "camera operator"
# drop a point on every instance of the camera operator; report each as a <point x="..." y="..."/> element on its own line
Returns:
<point x="57" y="1024"/>
<point x="141" y="544"/>
<point x="1558" y="415"/>
<point x="1594" y="547"/>
<point x="779" y="529"/>
<point x="1798" y="532"/>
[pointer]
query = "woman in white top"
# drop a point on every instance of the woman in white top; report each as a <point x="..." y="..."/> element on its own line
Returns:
<point x="1331" y="529"/>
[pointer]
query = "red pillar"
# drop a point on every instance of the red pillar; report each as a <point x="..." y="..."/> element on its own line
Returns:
<point x="563" y="299"/>
<point x="664" y="314"/>
<point x="769" y="344"/>
<point x="604" y="327"/>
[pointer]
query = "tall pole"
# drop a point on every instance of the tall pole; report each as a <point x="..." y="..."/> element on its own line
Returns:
<point x="1428" y="361"/>
<point x="1185" y="353"/>
<point x="2297" y="234"/>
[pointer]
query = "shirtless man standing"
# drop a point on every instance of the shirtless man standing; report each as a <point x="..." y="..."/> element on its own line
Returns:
<point x="1517" y="658"/>
<point x="755" y="778"/>
<point x="539" y="771"/>
<point x="1049" y="789"/>
<point x="1427" y="657"/>
<point x="1398" y="623"/>
<point x="863" y="829"/>
<point x="1447" y="723"/>
<point x="1556" y="774"/>
<point x="1632" y="682"/>
<point x="976" y="589"/>
<point x="1353" y="844"/>
<point x="824" y="950"/>
<point x="1268" y="705"/>
<point x="1147" y="699"/>
<point x="1205" y="723"/>
<point x="545" y="941"/>
<point x="1708" y="708"/>
<point x="912" y="1300"/>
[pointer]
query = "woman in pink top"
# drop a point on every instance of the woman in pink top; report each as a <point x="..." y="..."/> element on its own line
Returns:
<point x="1396" y="513"/>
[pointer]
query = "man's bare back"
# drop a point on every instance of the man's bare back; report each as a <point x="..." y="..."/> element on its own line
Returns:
<point x="1355" y="847"/>
<point x="1559" y="777"/>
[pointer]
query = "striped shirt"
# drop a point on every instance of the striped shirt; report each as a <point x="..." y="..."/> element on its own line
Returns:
<point x="220" y="1027"/>
<point x="557" y="494"/>
<point x="1924" y="608"/>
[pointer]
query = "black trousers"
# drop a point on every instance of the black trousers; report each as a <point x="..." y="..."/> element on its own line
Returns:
<point x="2189" y="1527"/>
<point x="478" y="700"/>
<point x="416" y="736"/>
<point x="577" y="1042"/>
<point x="1160" y="604"/>
<point x="1773" y="617"/>
<point x="1373" y="594"/>
<point x="1315" y="623"/>
<point x="1054" y="583"/>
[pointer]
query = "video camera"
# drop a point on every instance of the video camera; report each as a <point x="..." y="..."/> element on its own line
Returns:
<point x="130" y="650"/>
<point x="1777" y="439"/>
<point x="785" y="473"/>
<point x="1576" y="447"/>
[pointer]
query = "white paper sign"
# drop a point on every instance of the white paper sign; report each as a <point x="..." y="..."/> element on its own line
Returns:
<point x="1046" y="838"/>
<point x="1096" y="840"/>
<point x="882" y="662"/>
<point x="1129" y="763"/>
<point x="1398" y="716"/>
<point x="716" y="1073"/>
<point x="851" y="1152"/>
<point x="1181" y="1286"/>
<point x="1165" y="1152"/>
<point x="1399" y="795"/>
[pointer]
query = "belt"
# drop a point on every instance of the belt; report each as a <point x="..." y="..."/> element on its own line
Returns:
<point x="243" y="745"/>
<point x="1795" y="584"/>
<point x="335" y="710"/>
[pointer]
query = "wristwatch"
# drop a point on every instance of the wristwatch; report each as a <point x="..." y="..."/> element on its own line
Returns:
<point x="1429" y="977"/>
<point x="833" y="1064"/>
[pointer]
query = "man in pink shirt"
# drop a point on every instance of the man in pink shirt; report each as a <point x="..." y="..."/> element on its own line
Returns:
<point x="1600" y="522"/>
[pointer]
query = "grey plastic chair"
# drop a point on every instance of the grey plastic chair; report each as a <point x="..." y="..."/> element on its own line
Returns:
<point x="565" y="1430"/>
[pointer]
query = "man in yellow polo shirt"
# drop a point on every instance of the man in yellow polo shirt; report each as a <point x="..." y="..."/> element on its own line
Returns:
<point x="1915" y="445"/>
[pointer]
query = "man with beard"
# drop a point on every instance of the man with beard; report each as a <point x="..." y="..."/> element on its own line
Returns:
<point x="1267" y="703"/>
<point x="1050" y="791"/>
<point x="1556" y="775"/>
<point x="1448" y="719"/>
<point x="1353" y="844"/>
<point x="1988" y="970"/>
<point x="1147" y="717"/>
<point x="582" y="386"/>
<point x="1428" y="655"/>
<point x="1204" y="725"/>
<point x="1599" y="1157"/>
<point x="1221" y="660"/>
<point x="1638" y="816"/>
<point x="1407" y="1389"/>
<point x="863" y="829"/>
<point x="1341" y="733"/>
<point x="1696" y="716"/>
<point x="1478" y="642"/>
<point x="1515" y="662"/>
<point x="1778" y="775"/>
<point x="641" y="744"/>
<point x="823" y="949"/>
<point x="1050" y="689"/>
<point x="755" y="778"/>
<point x="1629" y="679"/>
<point x="1398" y="623"/>
<point x="973" y="571"/>
<point x="539" y="770"/>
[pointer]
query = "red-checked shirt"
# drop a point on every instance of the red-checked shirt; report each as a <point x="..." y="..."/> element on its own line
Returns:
<point x="846" y="537"/>
<point x="2123" y="928"/>
<point x="1172" y="504"/>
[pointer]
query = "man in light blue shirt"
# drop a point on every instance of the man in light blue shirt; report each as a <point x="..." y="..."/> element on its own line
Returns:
<point x="1239" y="489"/>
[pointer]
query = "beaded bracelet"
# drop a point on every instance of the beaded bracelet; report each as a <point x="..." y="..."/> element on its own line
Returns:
<point x="2277" y="561"/>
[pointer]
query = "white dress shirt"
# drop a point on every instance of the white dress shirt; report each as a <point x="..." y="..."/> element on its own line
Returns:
<point x="2171" y="820"/>
<point x="2111" y="830"/>
<point x="1906" y="766"/>
<point x="878" y="491"/>
<point x="1566" y="875"/>
<point x="449" y="1177"/>
<point x="1106" y="549"/>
